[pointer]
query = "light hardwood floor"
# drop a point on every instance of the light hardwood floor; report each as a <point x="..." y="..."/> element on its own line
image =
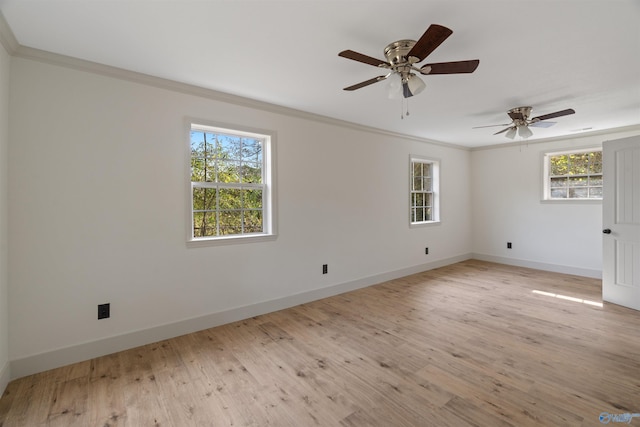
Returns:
<point x="467" y="344"/>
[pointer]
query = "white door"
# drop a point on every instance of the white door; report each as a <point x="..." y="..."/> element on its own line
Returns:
<point x="621" y="222"/>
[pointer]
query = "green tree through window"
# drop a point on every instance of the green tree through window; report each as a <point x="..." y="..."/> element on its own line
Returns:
<point x="227" y="181"/>
<point x="574" y="175"/>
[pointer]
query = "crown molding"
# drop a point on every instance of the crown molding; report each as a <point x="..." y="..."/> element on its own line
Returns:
<point x="162" y="83"/>
<point x="11" y="45"/>
<point x="576" y="136"/>
<point x="7" y="39"/>
<point x="20" y="51"/>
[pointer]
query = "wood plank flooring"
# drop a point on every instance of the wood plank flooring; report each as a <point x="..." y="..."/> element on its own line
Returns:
<point x="470" y="344"/>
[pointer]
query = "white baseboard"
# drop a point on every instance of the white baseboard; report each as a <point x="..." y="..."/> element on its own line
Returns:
<point x="89" y="350"/>
<point x="577" y="271"/>
<point x="5" y="376"/>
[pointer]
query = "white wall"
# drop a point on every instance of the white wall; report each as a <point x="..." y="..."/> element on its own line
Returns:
<point x="4" y="231"/>
<point x="98" y="193"/>
<point x="506" y="199"/>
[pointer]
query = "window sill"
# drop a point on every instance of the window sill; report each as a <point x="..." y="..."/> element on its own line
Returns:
<point x="231" y="240"/>
<point x="423" y="224"/>
<point x="572" y="201"/>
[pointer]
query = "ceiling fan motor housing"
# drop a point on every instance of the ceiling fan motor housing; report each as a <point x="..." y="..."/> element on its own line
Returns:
<point x="520" y="115"/>
<point x="396" y="52"/>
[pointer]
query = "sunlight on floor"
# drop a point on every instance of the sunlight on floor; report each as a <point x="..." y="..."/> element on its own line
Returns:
<point x="583" y="301"/>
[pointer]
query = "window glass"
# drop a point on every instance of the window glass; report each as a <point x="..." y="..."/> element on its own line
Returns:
<point x="423" y="194"/>
<point x="230" y="191"/>
<point x="573" y="175"/>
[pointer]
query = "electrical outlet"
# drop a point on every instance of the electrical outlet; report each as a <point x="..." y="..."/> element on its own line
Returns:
<point x="426" y="251"/>
<point x="325" y="268"/>
<point x="508" y="245"/>
<point x="103" y="311"/>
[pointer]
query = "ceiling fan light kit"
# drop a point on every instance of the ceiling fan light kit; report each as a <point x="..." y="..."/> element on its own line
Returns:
<point x="511" y="132"/>
<point x="413" y="85"/>
<point x="524" y="132"/>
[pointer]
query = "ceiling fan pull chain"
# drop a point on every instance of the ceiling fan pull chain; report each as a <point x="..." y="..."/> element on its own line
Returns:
<point x="402" y="113"/>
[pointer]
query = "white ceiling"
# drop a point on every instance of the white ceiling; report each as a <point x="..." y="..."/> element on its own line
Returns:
<point x="549" y="54"/>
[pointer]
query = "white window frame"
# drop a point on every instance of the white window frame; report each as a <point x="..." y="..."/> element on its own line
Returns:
<point x="435" y="190"/>
<point x="268" y="183"/>
<point x="546" y="178"/>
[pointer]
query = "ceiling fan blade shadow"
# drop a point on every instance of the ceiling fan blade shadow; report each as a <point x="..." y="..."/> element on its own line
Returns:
<point x="350" y="54"/>
<point x="455" y="67"/>
<point x="553" y="115"/>
<point x="366" y="83"/>
<point x="430" y="40"/>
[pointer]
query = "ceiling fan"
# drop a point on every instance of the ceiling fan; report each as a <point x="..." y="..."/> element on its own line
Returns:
<point x="402" y="55"/>
<point x="520" y="121"/>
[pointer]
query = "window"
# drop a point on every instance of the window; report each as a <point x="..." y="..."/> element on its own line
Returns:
<point x="231" y="184"/>
<point x="574" y="175"/>
<point x="424" y="191"/>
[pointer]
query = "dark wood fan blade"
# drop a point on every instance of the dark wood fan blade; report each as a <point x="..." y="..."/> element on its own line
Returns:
<point x="553" y="115"/>
<point x="503" y="130"/>
<point x="366" y="83"/>
<point x="455" y="67"/>
<point x="430" y="40"/>
<point x="350" y="54"/>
